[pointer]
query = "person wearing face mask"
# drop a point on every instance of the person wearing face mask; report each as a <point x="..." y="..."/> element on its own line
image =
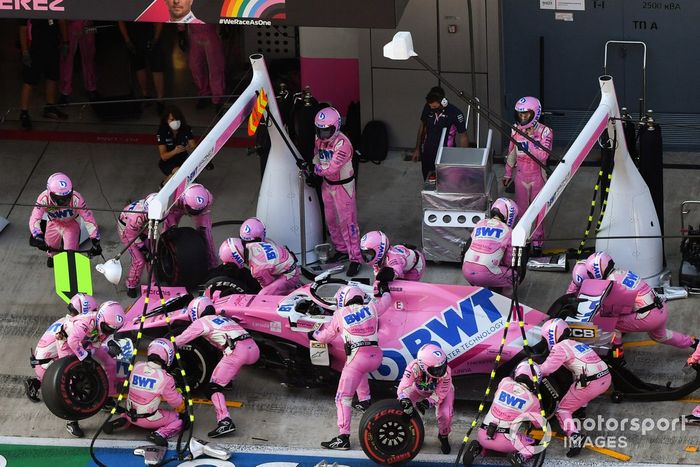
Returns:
<point x="175" y="140"/>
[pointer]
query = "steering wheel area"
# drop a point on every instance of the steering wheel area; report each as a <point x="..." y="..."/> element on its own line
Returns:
<point x="324" y="291"/>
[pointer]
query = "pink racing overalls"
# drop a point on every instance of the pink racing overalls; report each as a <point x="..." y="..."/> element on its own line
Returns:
<point x="591" y="378"/>
<point x="62" y="225"/>
<point x="578" y="275"/>
<point x="206" y="60"/>
<point x="511" y="401"/>
<point x="81" y="332"/>
<point x="333" y="162"/>
<point x="359" y="327"/>
<point x="649" y="311"/>
<point x="47" y="349"/>
<point x="201" y="221"/>
<point x="273" y="267"/>
<point x="439" y="392"/>
<point x="488" y="259"/>
<point x="692" y="360"/>
<point x="131" y="221"/>
<point x="408" y="264"/>
<point x="238" y="347"/>
<point x="77" y="37"/>
<point x="529" y="177"/>
<point x="150" y="384"/>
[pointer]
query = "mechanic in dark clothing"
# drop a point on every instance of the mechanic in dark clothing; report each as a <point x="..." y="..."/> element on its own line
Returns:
<point x="39" y="41"/>
<point x="175" y="140"/>
<point x="438" y="114"/>
<point x="143" y="43"/>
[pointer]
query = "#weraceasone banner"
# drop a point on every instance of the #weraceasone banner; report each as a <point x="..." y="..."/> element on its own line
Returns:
<point x="237" y="12"/>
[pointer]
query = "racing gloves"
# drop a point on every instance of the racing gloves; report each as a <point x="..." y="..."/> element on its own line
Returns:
<point x="39" y="242"/>
<point x="407" y="406"/>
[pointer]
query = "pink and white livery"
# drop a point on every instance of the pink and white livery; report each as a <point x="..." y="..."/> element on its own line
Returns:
<point x="591" y="375"/>
<point x="529" y="177"/>
<point x="63" y="205"/>
<point x="399" y="261"/>
<point x="644" y="311"/>
<point x="427" y="382"/>
<point x="487" y="262"/>
<point x="333" y="161"/>
<point x="228" y="336"/>
<point x="195" y="201"/>
<point x="358" y="324"/>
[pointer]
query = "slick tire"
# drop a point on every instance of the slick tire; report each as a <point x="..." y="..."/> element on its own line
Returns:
<point x="183" y="258"/>
<point x="199" y="359"/>
<point x="72" y="392"/>
<point x="225" y="285"/>
<point x="388" y="436"/>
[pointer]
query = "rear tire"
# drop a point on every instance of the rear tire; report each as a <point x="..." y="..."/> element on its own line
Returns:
<point x="71" y="392"/>
<point x="389" y="436"/>
<point x="198" y="358"/>
<point x="183" y="257"/>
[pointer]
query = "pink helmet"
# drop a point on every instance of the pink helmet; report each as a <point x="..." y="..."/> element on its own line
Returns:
<point x="60" y="188"/>
<point x="82" y="304"/>
<point x="327" y="123"/>
<point x="374" y="246"/>
<point x="200" y="306"/>
<point x="232" y="251"/>
<point x="527" y="111"/>
<point x="110" y="318"/>
<point x="196" y="199"/>
<point x="599" y="265"/>
<point x="346" y="294"/>
<point x="161" y="351"/>
<point x="523" y="373"/>
<point x="432" y="360"/>
<point x="506" y="209"/>
<point x="554" y="330"/>
<point x="579" y="272"/>
<point x="253" y="230"/>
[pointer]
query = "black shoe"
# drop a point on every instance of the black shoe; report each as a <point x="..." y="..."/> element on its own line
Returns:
<point x="74" y="429"/>
<point x="25" y="120"/>
<point x="49" y="262"/>
<point x="114" y="424"/>
<point x="690" y="419"/>
<point x="160" y="108"/>
<point x="132" y="292"/>
<point x="202" y="103"/>
<point x="157" y="439"/>
<point x="53" y="112"/>
<point x="209" y="166"/>
<point x="338" y="257"/>
<point x="444" y="444"/>
<point x="473" y="449"/>
<point x="63" y="100"/>
<point x="361" y="406"/>
<point x="353" y="269"/>
<point x="339" y="443"/>
<point x="515" y="459"/>
<point x="32" y="386"/>
<point x="224" y="427"/>
<point x="695" y="343"/>
<point x="575" y="445"/>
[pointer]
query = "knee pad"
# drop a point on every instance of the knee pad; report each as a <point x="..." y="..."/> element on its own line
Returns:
<point x="213" y="388"/>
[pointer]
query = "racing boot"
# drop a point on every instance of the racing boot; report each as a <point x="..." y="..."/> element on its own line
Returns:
<point x="580" y="414"/>
<point x="49" y="262"/>
<point x="32" y="386"/>
<point x="695" y="343"/>
<point x="74" y="429"/>
<point x="113" y="425"/>
<point x="157" y="439"/>
<point x="473" y="449"/>
<point x="361" y="406"/>
<point x="444" y="444"/>
<point x="515" y="459"/>
<point x="353" y="269"/>
<point x="691" y="419"/>
<point x="339" y="443"/>
<point x="575" y="445"/>
<point x="224" y="427"/>
<point x="132" y="292"/>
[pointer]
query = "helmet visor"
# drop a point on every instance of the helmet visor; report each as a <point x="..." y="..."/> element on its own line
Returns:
<point x="106" y="329"/>
<point x="62" y="200"/>
<point x="325" y="133"/>
<point x="368" y="255"/>
<point x="438" y="371"/>
<point x="523" y="118"/>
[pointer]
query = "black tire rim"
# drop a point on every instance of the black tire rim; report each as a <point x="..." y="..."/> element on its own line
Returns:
<point x="393" y="436"/>
<point x="84" y="387"/>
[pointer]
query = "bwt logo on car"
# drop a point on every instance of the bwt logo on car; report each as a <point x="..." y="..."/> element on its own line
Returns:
<point x="451" y="330"/>
<point x="511" y="400"/>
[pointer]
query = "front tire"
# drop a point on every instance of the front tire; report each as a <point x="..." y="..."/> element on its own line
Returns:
<point x="72" y="392"/>
<point x="389" y="436"/>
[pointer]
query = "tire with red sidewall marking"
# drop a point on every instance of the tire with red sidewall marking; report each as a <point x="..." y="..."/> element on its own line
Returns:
<point x="389" y="436"/>
<point x="72" y="392"/>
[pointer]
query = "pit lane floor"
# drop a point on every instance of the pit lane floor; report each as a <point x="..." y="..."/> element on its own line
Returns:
<point x="272" y="415"/>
